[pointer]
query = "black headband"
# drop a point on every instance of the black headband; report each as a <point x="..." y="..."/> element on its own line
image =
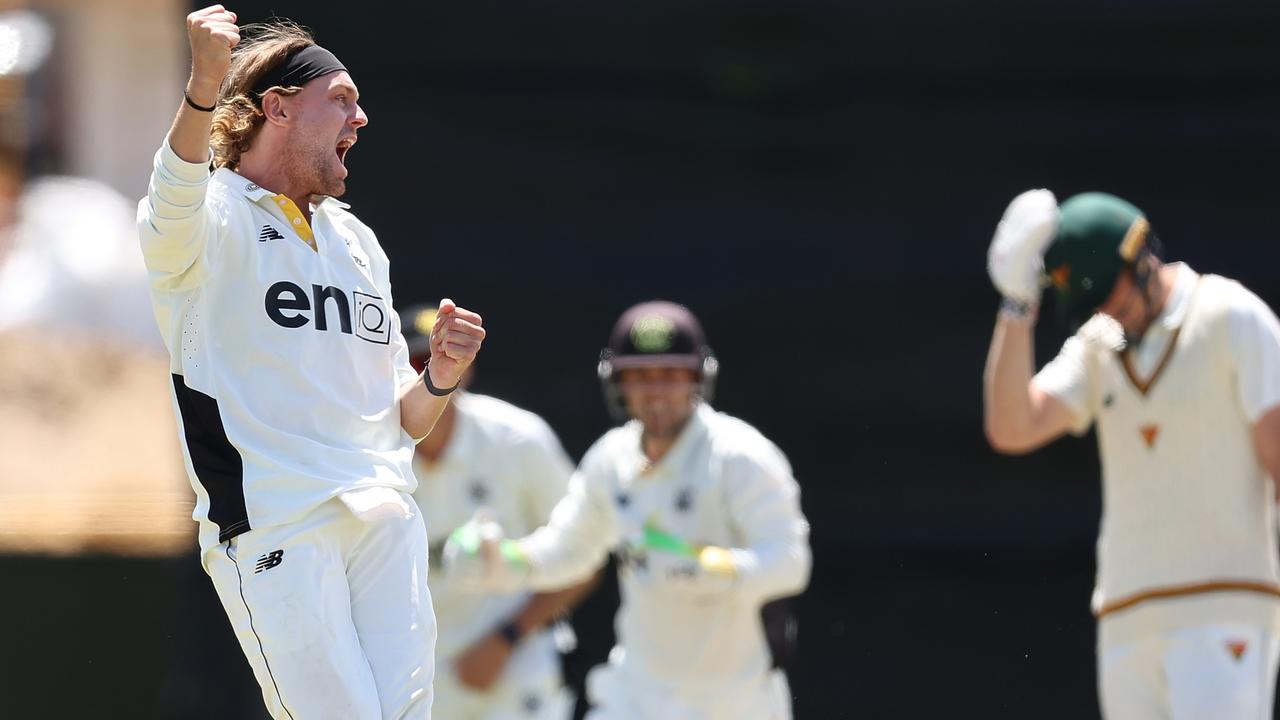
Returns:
<point x="297" y="68"/>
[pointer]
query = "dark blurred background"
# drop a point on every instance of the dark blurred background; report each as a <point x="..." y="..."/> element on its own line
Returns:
<point x="818" y="180"/>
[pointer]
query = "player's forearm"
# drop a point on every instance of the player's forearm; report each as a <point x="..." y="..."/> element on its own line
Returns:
<point x="551" y="568"/>
<point x="420" y="409"/>
<point x="556" y="559"/>
<point x="1266" y="441"/>
<point x="545" y="608"/>
<point x="1007" y="407"/>
<point x="174" y="224"/>
<point x="189" y="135"/>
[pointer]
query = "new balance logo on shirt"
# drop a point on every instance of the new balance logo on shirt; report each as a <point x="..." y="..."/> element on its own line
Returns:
<point x="268" y="561"/>
<point x="269" y="233"/>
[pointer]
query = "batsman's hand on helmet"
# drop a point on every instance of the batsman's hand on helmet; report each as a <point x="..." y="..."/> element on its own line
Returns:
<point x="1015" y="260"/>
<point x="481" y="556"/>
<point x="679" y="566"/>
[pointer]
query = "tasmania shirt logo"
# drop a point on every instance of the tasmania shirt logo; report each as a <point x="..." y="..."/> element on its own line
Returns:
<point x="1149" y="434"/>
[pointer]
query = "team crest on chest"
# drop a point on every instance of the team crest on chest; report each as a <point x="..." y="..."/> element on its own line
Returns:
<point x="684" y="500"/>
<point x="1237" y="648"/>
<point x="1149" y="434"/>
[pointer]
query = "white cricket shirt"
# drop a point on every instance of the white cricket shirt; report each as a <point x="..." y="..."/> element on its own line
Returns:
<point x="722" y="484"/>
<point x="1188" y="530"/>
<point x="286" y="361"/>
<point x="508" y="461"/>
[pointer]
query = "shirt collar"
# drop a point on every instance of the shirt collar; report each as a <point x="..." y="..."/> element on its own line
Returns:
<point x="256" y="192"/>
<point x="1175" y="309"/>
<point x="329" y="200"/>
<point x="242" y="185"/>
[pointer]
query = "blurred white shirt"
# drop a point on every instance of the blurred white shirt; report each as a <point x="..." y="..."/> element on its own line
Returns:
<point x="508" y="461"/>
<point x="74" y="266"/>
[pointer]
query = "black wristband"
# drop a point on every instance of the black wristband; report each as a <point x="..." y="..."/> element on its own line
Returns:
<point x="510" y="632"/>
<point x="1017" y="308"/>
<point x="431" y="388"/>
<point x="187" y="96"/>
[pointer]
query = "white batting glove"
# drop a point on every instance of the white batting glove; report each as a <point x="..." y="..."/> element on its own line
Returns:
<point x="1015" y="260"/>
<point x="481" y="556"/>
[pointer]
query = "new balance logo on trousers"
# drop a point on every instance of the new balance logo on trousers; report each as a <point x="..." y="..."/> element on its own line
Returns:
<point x="268" y="561"/>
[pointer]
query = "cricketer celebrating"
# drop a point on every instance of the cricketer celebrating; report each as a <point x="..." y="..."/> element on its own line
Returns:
<point x="1181" y="374"/>
<point x="498" y="657"/>
<point x="705" y="515"/>
<point x="296" y="402"/>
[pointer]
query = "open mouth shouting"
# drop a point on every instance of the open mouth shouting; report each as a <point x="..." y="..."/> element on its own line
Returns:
<point x="343" y="146"/>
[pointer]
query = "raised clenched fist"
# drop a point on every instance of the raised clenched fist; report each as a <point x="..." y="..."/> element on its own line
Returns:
<point x="212" y="32"/>
<point x="455" y="340"/>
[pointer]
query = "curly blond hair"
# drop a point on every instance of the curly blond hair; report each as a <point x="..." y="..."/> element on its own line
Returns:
<point x="238" y="116"/>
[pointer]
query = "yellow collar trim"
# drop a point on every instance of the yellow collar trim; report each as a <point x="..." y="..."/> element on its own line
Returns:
<point x="296" y="219"/>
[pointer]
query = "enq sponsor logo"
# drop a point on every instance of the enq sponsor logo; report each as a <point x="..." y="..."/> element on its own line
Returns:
<point x="364" y="315"/>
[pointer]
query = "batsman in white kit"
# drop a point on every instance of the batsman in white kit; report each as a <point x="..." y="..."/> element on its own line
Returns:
<point x="705" y="516"/>
<point x="296" y="403"/>
<point x="1181" y="374"/>
<point x="498" y="656"/>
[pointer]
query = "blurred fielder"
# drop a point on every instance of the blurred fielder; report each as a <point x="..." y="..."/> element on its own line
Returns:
<point x="297" y="405"/>
<point x="1181" y="374"/>
<point x="498" y="657"/>
<point x="705" y="516"/>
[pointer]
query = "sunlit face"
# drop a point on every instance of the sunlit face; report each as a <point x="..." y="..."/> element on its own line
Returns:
<point x="1127" y="305"/>
<point x="324" y="119"/>
<point x="661" y="398"/>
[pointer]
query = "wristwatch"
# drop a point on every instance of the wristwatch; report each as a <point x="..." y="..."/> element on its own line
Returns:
<point x="510" y="632"/>
<point x="1017" y="308"/>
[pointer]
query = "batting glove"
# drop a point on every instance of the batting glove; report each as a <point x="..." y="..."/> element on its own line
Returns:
<point x="481" y="556"/>
<point x="1015" y="260"/>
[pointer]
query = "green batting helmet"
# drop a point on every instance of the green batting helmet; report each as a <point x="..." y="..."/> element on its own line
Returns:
<point x="1099" y="236"/>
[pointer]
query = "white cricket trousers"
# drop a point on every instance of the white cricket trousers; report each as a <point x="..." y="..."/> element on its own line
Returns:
<point x="530" y="698"/>
<point x="618" y="695"/>
<point x="1220" y="671"/>
<point x="333" y="613"/>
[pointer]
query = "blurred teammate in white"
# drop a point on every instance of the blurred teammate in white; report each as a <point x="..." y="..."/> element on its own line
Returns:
<point x="498" y="659"/>
<point x="1181" y="374"/>
<point x="705" y="515"/>
<point x="296" y="402"/>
